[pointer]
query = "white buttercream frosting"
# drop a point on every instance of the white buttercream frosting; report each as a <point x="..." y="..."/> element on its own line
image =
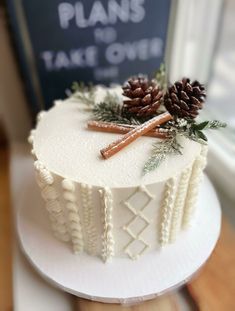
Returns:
<point x="74" y="222"/>
<point x="137" y="214"/>
<point x="193" y="187"/>
<point x="89" y="219"/>
<point x="167" y="211"/>
<point x="40" y="115"/>
<point x="107" y="236"/>
<point x="107" y="207"/>
<point x="51" y="196"/>
<point x="179" y="203"/>
<point x="65" y="145"/>
<point x="31" y="137"/>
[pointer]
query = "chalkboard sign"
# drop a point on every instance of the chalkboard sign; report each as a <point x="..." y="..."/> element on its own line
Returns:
<point x="99" y="41"/>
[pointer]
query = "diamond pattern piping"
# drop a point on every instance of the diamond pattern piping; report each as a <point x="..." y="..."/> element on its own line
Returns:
<point x="137" y="214"/>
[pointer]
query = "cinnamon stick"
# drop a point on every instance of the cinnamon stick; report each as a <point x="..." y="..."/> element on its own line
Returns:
<point x="108" y="127"/>
<point x="132" y="135"/>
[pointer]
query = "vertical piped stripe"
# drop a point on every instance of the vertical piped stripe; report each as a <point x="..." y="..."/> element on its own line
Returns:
<point x="166" y="211"/>
<point x="107" y="236"/>
<point x="74" y="222"/>
<point x="179" y="203"/>
<point x="50" y="195"/>
<point x="193" y="187"/>
<point x="89" y="228"/>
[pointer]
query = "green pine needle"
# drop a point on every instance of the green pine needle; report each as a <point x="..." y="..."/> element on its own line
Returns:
<point x="194" y="131"/>
<point x="84" y="93"/>
<point x="216" y="124"/>
<point x="160" y="151"/>
<point x="110" y="110"/>
<point x="161" y="76"/>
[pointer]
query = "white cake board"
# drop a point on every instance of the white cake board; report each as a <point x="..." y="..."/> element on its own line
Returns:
<point x="122" y="280"/>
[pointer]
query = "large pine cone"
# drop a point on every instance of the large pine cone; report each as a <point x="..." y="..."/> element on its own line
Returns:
<point x="145" y="97"/>
<point x="184" y="99"/>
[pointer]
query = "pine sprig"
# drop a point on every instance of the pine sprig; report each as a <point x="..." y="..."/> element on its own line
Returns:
<point x="161" y="77"/>
<point x="160" y="151"/>
<point x="179" y="127"/>
<point x="84" y="93"/>
<point x="110" y="110"/>
<point x="213" y="125"/>
<point x="193" y="130"/>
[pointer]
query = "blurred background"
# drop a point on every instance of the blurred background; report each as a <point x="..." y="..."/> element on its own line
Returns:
<point x="46" y="45"/>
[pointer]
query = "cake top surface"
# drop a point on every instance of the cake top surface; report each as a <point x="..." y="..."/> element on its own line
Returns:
<point x="66" y="147"/>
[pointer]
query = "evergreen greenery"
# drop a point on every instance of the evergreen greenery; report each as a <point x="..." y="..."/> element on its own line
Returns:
<point x="179" y="127"/>
<point x="161" y="76"/>
<point x="111" y="110"/>
<point x="84" y="93"/>
<point x="160" y="151"/>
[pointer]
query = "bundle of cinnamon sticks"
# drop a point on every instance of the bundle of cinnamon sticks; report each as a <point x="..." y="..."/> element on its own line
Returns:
<point x="131" y="132"/>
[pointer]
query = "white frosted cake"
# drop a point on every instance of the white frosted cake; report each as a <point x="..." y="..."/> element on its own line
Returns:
<point x="109" y="208"/>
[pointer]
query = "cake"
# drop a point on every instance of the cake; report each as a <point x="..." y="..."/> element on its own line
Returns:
<point x="113" y="207"/>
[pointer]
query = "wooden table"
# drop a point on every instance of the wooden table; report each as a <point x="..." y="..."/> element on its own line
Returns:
<point x="212" y="289"/>
<point x="5" y="234"/>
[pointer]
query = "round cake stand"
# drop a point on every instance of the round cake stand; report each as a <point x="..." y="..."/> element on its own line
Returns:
<point x="122" y="280"/>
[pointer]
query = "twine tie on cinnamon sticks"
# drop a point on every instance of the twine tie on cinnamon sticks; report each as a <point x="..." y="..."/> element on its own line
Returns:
<point x="133" y="134"/>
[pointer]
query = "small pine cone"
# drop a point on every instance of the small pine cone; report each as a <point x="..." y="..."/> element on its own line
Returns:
<point x="144" y="97"/>
<point x="184" y="99"/>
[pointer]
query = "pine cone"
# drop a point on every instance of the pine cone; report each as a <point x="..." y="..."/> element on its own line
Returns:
<point x="145" y="97"/>
<point x="184" y="99"/>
